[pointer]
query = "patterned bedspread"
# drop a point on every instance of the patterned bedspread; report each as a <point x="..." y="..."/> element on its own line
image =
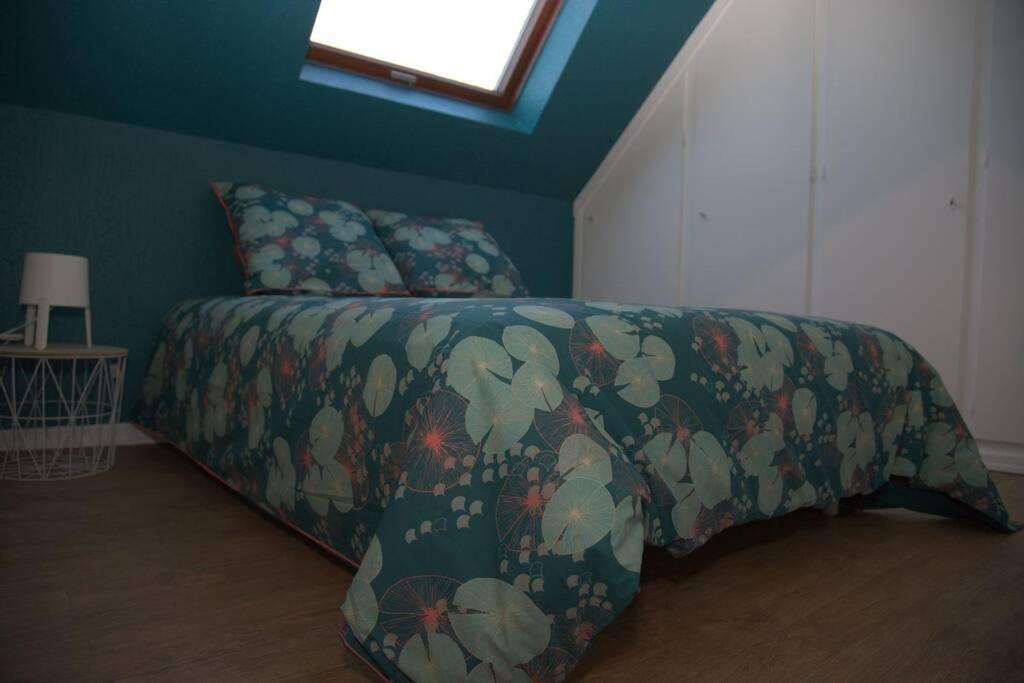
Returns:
<point x="496" y="466"/>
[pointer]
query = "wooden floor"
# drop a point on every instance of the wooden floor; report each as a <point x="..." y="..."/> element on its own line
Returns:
<point x="153" y="571"/>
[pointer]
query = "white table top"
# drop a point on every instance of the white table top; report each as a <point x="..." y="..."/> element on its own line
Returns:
<point x="62" y="351"/>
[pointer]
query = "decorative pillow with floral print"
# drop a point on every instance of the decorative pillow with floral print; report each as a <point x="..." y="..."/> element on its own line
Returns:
<point x="447" y="256"/>
<point x="291" y="243"/>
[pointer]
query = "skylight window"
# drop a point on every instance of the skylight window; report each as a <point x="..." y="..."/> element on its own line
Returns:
<point x="477" y="50"/>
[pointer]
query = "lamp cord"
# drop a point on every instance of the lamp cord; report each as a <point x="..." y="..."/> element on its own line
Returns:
<point x="10" y="336"/>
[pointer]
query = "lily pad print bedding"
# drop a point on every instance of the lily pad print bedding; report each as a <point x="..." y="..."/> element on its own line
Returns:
<point x="304" y="244"/>
<point x="447" y="256"/>
<point x="495" y="467"/>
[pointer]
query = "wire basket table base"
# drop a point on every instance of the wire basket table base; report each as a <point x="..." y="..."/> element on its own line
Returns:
<point x="59" y="415"/>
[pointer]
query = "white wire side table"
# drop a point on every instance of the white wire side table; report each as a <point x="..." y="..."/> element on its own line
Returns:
<point x="59" y="409"/>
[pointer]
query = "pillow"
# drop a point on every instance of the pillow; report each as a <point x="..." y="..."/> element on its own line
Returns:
<point x="290" y="243"/>
<point x="447" y="256"/>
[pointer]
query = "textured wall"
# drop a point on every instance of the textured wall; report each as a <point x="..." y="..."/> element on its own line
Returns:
<point x="136" y="202"/>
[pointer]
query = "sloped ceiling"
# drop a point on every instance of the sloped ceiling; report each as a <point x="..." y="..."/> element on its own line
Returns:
<point x="229" y="69"/>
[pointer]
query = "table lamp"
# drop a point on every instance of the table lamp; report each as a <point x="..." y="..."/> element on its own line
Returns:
<point x="50" y="280"/>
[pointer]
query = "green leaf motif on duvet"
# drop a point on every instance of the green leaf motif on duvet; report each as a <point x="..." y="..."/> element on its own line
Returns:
<point x="264" y="387"/>
<point x="528" y="345"/>
<point x="668" y="456"/>
<point x="360" y="607"/>
<point x="939" y="439"/>
<point x="473" y="365"/>
<point x="805" y="410"/>
<point x="380" y="385"/>
<point x="215" y="418"/>
<point x="305" y="326"/>
<point x="281" y="477"/>
<point x="619" y="337"/>
<point x="769" y="490"/>
<point x="439" y="660"/>
<point x="763" y="354"/>
<point x="638" y="382"/>
<point x="855" y="438"/>
<point x="659" y="357"/>
<point x="545" y="315"/>
<point x="248" y="344"/>
<point x="686" y="510"/>
<point x="893" y="429"/>
<point x="579" y="514"/>
<point x="424" y="338"/>
<point x="278" y="315"/>
<point x="628" y="534"/>
<point x="969" y="464"/>
<point x="904" y="467"/>
<point x="257" y="425"/>
<point x="362" y="327"/>
<point x="758" y="453"/>
<point x="498" y="623"/>
<point x="896" y="358"/>
<point x="940" y="395"/>
<point x="581" y="456"/>
<point x="535" y="386"/>
<point x="327" y="485"/>
<point x="838" y="364"/>
<point x="325" y="432"/>
<point x="355" y="326"/>
<point x="938" y="470"/>
<point x="948" y="459"/>
<point x="499" y="416"/>
<point x="779" y="321"/>
<point x="709" y="469"/>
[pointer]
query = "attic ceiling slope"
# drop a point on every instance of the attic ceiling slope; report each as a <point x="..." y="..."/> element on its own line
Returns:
<point x="229" y="70"/>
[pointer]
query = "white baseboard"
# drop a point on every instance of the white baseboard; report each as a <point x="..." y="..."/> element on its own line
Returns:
<point x="130" y="435"/>
<point x="127" y="435"/>
<point x="1002" y="457"/>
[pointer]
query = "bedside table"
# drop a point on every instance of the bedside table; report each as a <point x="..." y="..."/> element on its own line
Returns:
<point x="59" y="409"/>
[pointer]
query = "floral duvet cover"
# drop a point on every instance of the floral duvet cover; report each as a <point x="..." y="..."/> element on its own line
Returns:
<point x="496" y="467"/>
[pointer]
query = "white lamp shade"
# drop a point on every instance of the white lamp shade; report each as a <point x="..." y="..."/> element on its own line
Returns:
<point x="56" y="280"/>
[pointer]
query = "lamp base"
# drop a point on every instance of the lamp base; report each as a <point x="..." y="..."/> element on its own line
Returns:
<point x="37" y="325"/>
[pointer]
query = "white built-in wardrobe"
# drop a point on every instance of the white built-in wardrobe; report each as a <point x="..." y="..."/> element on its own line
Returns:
<point x="853" y="159"/>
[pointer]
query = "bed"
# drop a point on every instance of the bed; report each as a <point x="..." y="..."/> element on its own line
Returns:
<point x="495" y="467"/>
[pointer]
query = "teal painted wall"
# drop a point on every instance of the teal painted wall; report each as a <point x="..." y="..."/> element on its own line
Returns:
<point x="229" y="70"/>
<point x="136" y="202"/>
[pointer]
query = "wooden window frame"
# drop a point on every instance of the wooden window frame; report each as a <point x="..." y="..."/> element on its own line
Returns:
<point x="503" y="98"/>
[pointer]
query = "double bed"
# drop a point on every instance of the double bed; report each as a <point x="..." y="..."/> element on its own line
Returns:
<point x="495" y="467"/>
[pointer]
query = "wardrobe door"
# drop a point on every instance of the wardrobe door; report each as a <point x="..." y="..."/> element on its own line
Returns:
<point x="748" y="159"/>
<point x="628" y="232"/>
<point x="890" y="239"/>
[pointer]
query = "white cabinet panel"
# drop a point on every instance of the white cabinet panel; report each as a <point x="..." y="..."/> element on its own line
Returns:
<point x="889" y="248"/>
<point x="629" y="231"/>
<point x="748" y="158"/>
<point x="997" y="409"/>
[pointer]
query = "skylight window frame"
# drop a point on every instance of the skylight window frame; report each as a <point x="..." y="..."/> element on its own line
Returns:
<point x="531" y="39"/>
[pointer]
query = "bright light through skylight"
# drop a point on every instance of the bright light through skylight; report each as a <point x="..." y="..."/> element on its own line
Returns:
<point x="469" y="41"/>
